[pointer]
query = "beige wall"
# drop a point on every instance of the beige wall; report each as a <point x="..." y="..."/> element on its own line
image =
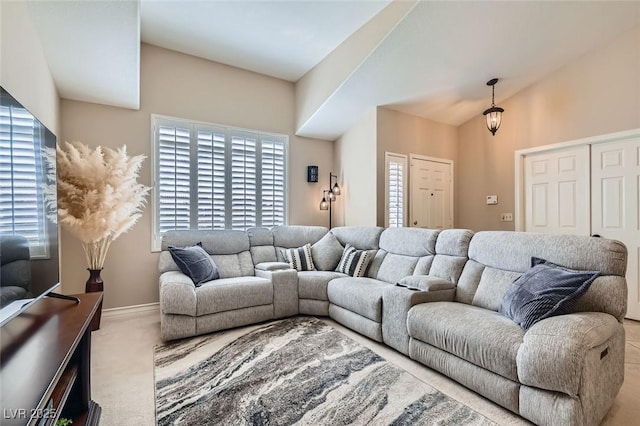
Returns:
<point x="355" y="165"/>
<point x="406" y="134"/>
<point x="183" y="86"/>
<point x="24" y="72"/>
<point x="597" y="94"/>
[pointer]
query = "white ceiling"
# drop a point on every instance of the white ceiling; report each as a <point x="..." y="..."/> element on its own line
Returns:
<point x="283" y="39"/>
<point x="92" y="49"/>
<point x="434" y="64"/>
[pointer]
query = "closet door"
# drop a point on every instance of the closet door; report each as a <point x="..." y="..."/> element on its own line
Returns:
<point x="557" y="191"/>
<point x="614" y="200"/>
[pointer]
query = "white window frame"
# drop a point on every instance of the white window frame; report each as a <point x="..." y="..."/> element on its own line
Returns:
<point x="390" y="157"/>
<point x="156" y="119"/>
<point x="38" y="246"/>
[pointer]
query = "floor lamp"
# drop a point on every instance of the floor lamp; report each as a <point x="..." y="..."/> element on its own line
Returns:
<point x="329" y="196"/>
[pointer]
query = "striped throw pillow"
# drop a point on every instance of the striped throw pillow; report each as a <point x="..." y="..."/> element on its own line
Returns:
<point x="299" y="258"/>
<point x="354" y="262"/>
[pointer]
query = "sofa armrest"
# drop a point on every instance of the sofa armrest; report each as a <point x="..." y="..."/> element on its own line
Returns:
<point x="396" y="302"/>
<point x="426" y="283"/>
<point x="554" y="350"/>
<point x="285" y="291"/>
<point x="272" y="266"/>
<point x="177" y="294"/>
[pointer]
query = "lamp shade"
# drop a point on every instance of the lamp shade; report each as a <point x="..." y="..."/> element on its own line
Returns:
<point x="335" y="189"/>
<point x="323" y="204"/>
<point x="332" y="196"/>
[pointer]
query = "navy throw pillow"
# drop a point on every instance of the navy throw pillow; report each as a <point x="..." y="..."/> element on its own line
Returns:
<point x="195" y="263"/>
<point x="544" y="291"/>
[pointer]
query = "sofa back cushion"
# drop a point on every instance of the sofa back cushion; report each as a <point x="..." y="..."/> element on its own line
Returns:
<point x="451" y="254"/>
<point x="293" y="236"/>
<point x="361" y="237"/>
<point x="261" y="245"/>
<point x="404" y="252"/>
<point x="496" y="258"/>
<point x="229" y="250"/>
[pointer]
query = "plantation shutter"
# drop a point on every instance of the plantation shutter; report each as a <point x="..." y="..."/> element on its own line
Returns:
<point x="216" y="177"/>
<point x="243" y="191"/>
<point x="174" y="183"/>
<point x="273" y="186"/>
<point x="396" y="165"/>
<point x="211" y="171"/>
<point x="21" y="191"/>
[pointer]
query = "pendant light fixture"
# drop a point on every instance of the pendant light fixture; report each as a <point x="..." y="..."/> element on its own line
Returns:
<point x="494" y="113"/>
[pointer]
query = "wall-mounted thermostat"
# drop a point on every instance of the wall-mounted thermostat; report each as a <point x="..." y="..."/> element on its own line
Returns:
<point x="492" y="199"/>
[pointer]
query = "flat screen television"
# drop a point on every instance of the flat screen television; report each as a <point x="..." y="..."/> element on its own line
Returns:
<point x="29" y="256"/>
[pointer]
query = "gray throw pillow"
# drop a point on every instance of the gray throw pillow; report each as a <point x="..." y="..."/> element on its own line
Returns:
<point x="544" y="291"/>
<point x="326" y="253"/>
<point x="195" y="263"/>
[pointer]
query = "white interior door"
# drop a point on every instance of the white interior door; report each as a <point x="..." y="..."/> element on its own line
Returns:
<point x="557" y="186"/>
<point x="431" y="188"/>
<point x="614" y="179"/>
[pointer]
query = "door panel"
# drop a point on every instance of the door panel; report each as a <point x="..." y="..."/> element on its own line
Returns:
<point x="557" y="191"/>
<point x="430" y="203"/>
<point x="615" y="181"/>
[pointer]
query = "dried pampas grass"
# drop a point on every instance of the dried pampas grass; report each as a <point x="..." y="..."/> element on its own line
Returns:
<point x="98" y="196"/>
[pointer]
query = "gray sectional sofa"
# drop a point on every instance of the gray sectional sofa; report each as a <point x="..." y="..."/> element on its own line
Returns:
<point x="564" y="370"/>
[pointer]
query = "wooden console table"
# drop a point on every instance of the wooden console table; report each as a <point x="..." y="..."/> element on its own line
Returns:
<point x="45" y="363"/>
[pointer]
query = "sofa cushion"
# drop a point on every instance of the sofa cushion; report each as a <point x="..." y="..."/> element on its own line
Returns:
<point x="394" y="267"/>
<point x="544" y="291"/>
<point x="482" y="337"/>
<point x="492" y="286"/>
<point x="354" y="262"/>
<point x="228" y="294"/>
<point x="296" y="235"/>
<point x="362" y="296"/>
<point x="313" y="284"/>
<point x="327" y="252"/>
<point x="195" y="263"/>
<point x="299" y="258"/>
<point x="361" y="237"/>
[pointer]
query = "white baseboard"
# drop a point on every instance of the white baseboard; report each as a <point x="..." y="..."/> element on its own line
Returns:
<point x="135" y="309"/>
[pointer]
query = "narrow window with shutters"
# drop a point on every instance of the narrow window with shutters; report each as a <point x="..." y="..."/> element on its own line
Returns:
<point x="395" y="189"/>
<point x="210" y="176"/>
<point x="22" y="209"/>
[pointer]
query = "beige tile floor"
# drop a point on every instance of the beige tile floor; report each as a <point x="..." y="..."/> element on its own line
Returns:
<point x="122" y="373"/>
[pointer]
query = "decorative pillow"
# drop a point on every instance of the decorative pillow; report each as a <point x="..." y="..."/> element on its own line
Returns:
<point x="354" y="262"/>
<point x="299" y="258"/>
<point x="544" y="291"/>
<point x="195" y="263"/>
<point x="327" y="252"/>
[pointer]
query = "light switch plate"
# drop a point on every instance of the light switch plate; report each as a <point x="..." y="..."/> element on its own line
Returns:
<point x="506" y="217"/>
<point x="492" y="199"/>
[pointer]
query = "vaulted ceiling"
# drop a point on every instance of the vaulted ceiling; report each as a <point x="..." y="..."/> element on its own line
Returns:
<point x="427" y="58"/>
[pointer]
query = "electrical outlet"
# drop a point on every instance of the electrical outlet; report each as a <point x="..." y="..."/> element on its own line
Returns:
<point x="506" y="217"/>
<point x="492" y="199"/>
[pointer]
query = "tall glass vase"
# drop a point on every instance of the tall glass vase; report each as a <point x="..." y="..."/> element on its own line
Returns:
<point x="95" y="283"/>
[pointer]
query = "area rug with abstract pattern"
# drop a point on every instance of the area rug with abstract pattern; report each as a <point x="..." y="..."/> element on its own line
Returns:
<point x="294" y="371"/>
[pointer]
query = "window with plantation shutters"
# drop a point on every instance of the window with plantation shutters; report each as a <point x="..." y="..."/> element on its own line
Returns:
<point x="210" y="176"/>
<point x="22" y="209"/>
<point x="395" y="189"/>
